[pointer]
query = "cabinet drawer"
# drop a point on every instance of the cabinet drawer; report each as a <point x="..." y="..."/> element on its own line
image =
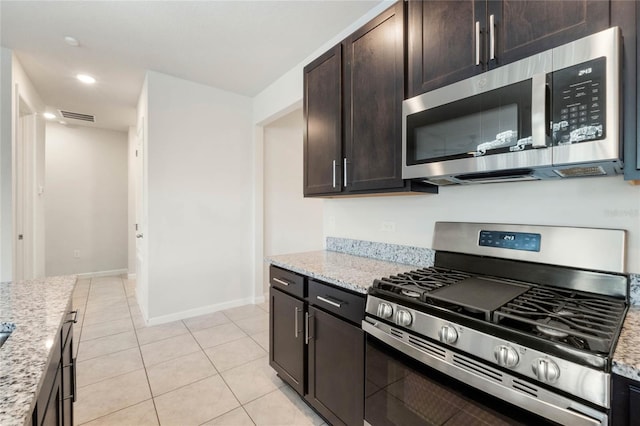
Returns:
<point x="347" y="305"/>
<point x="287" y="281"/>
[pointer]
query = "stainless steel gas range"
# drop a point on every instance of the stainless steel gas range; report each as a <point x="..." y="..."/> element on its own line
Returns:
<point x="514" y="324"/>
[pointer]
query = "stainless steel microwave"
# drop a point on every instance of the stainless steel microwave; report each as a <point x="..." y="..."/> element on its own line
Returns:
<point x="552" y="115"/>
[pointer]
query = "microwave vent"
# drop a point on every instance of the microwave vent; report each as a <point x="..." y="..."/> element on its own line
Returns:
<point x="440" y="182"/>
<point x="581" y="171"/>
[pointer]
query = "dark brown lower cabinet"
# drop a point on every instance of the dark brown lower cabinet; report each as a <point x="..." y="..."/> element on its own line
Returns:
<point x="286" y="338"/>
<point x="54" y="403"/>
<point x="336" y="368"/>
<point x="317" y="346"/>
<point x="625" y="406"/>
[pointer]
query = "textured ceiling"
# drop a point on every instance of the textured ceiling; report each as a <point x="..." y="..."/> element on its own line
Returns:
<point x="239" y="46"/>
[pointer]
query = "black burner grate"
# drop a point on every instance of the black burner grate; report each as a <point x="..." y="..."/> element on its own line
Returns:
<point x="578" y="319"/>
<point x="417" y="284"/>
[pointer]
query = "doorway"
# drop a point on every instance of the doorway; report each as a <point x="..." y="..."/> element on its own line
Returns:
<point x="292" y="223"/>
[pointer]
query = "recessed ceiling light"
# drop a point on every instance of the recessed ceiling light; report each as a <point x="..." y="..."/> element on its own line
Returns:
<point x="71" y="41"/>
<point x="49" y="116"/>
<point x="86" y="79"/>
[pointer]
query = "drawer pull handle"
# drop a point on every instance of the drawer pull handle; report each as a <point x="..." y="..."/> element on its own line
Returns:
<point x="337" y="304"/>
<point x="279" y="281"/>
<point x="75" y="317"/>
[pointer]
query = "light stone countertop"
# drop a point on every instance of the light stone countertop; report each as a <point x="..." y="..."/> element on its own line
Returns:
<point x="37" y="309"/>
<point x="626" y="359"/>
<point x="355" y="273"/>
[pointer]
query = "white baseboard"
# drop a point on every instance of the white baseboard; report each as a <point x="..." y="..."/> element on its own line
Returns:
<point x="199" y="311"/>
<point x="131" y="276"/>
<point x="260" y="299"/>
<point x="114" y="272"/>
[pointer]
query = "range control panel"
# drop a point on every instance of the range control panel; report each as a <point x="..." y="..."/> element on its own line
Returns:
<point x="579" y="103"/>
<point x="510" y="240"/>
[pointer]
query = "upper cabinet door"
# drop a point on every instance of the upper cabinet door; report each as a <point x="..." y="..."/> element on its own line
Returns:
<point x="323" y="123"/>
<point x="445" y="42"/>
<point x="374" y="90"/>
<point x="524" y="28"/>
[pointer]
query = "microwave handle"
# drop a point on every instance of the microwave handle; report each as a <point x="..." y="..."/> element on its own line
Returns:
<point x="539" y="114"/>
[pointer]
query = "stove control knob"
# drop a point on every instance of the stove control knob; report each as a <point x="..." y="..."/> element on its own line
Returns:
<point x="448" y="334"/>
<point x="546" y="370"/>
<point x="403" y="318"/>
<point x="506" y="356"/>
<point x="385" y="310"/>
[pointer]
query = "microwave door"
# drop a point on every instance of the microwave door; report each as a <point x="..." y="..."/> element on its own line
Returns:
<point x="500" y="127"/>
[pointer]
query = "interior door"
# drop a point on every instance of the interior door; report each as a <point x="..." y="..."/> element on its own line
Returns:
<point x="141" y="276"/>
<point x="24" y="193"/>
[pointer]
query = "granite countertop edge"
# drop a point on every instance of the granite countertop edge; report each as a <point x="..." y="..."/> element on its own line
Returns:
<point x="355" y="273"/>
<point x="626" y="358"/>
<point x="35" y="310"/>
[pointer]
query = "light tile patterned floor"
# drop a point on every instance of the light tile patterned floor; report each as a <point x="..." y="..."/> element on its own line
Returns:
<point x="211" y="369"/>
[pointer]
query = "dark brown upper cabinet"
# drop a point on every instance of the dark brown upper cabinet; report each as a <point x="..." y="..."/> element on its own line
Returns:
<point x="449" y="41"/>
<point x="373" y="95"/>
<point x="353" y="113"/>
<point x="322" y="111"/>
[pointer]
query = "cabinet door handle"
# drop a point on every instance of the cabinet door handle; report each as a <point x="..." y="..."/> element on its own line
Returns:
<point x="492" y="38"/>
<point x="72" y="397"/>
<point x="306" y="328"/>
<point x="477" y="43"/>
<point x="279" y="281"/>
<point x="295" y="321"/>
<point x="344" y="166"/>
<point x="336" y="303"/>
<point x="334" y="173"/>
<point x="75" y="317"/>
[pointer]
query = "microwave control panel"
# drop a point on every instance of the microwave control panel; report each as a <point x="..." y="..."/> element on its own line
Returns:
<point x="579" y="103"/>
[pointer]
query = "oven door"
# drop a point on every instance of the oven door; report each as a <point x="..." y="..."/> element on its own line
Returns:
<point x="496" y="121"/>
<point x="401" y="390"/>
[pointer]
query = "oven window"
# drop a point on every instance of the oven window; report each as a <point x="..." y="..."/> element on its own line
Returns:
<point x="490" y="123"/>
<point x="400" y="391"/>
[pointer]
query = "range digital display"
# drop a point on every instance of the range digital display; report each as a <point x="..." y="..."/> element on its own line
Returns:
<point x="510" y="240"/>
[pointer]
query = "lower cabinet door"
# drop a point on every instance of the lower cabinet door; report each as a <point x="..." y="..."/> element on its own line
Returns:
<point x="52" y="415"/>
<point x="68" y="381"/>
<point x="286" y="338"/>
<point x="336" y="368"/>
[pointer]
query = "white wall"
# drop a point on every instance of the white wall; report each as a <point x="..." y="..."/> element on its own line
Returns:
<point x="86" y="210"/>
<point x="6" y="205"/>
<point x="606" y="202"/>
<point x="200" y="194"/>
<point x="291" y="223"/>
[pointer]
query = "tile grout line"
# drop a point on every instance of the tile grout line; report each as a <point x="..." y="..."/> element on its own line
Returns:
<point x="119" y="375"/>
<point x="144" y="365"/>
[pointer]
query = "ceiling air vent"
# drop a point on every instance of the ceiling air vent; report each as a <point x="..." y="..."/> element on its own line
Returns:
<point x="78" y="116"/>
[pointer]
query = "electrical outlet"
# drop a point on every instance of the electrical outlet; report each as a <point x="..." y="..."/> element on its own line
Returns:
<point x="388" y="226"/>
<point x="331" y="221"/>
<point x="76" y="254"/>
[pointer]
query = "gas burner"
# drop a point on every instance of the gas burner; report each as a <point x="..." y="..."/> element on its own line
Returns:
<point x="410" y="293"/>
<point x="553" y="328"/>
